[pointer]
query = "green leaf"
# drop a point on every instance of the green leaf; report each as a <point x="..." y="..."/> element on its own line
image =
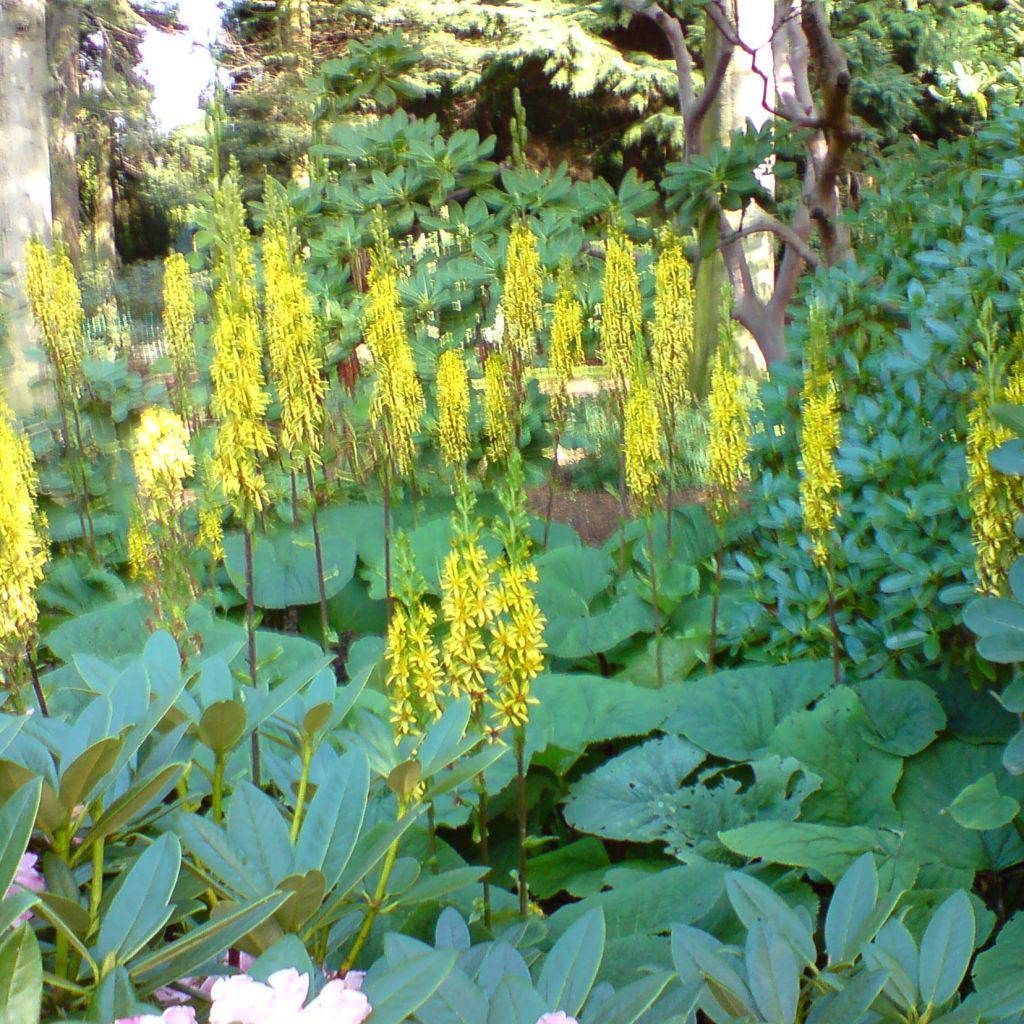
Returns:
<point x="80" y="778"/>
<point x="754" y="901"/>
<point x="515" y="1002"/>
<point x="222" y="726"/>
<point x="196" y="948"/>
<point x="852" y="1002"/>
<point x="772" y="973"/>
<point x="981" y="806"/>
<point x="992" y="616"/>
<point x="396" y="993"/>
<point x="112" y="630"/>
<point x="847" y="923"/>
<point x="17" y="819"/>
<point x="946" y="949"/>
<point x="594" y="632"/>
<point x="140" y="907"/>
<point x="259" y="834"/>
<point x="577" y="868"/>
<point x="571" y="966"/>
<point x="430" y="888"/>
<point x="284" y="566"/>
<point x="21" y="978"/>
<point x="905" y="714"/>
<point x="629" y="1004"/>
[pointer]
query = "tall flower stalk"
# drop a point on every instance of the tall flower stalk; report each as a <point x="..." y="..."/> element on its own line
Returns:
<point x="498" y="410"/>
<point x="179" y="325"/>
<point x="453" y="405"/>
<point x="296" y="363"/>
<point x="819" y="440"/>
<point x="671" y="349"/>
<point x="57" y="308"/>
<point x="397" y="405"/>
<point x="728" y="448"/>
<point x="240" y="400"/>
<point x="23" y="556"/>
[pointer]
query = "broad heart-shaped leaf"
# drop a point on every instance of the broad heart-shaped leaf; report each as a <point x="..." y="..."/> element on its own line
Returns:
<point x="754" y="901"/>
<point x="593" y="632"/>
<point x="571" y="966"/>
<point x="17" y="819"/>
<point x="335" y="818"/>
<point x="905" y="714"/>
<point x="847" y="923"/>
<point x="931" y="783"/>
<point x="997" y="976"/>
<point x="201" y="945"/>
<point x="110" y="630"/>
<point x="570" y="578"/>
<point x="515" y="1001"/>
<point x="946" y="949"/>
<point x="258" y="832"/>
<point x="141" y="904"/>
<point x="284" y="566"/>
<point x="732" y="714"/>
<point x="630" y="796"/>
<point x="1013" y="755"/>
<point x="576" y="868"/>
<point x="772" y="973"/>
<point x="857" y="781"/>
<point x="21" y="978"/>
<point x="981" y="806"/>
<point x="397" y="992"/>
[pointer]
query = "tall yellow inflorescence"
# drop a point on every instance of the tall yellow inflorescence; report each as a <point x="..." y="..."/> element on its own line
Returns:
<point x="162" y="463"/>
<point x="644" y="463"/>
<point x="521" y="297"/>
<point x="179" y="325"/>
<point x="414" y="679"/>
<point x="498" y="409"/>
<point x="566" y="349"/>
<point x="296" y="362"/>
<point x="820" y="482"/>
<point x="467" y="605"/>
<point x="240" y="400"/>
<point x="23" y="548"/>
<point x="398" y="404"/>
<point x="729" y="421"/>
<point x="672" y="329"/>
<point x="621" y="308"/>
<point x="210" y="535"/>
<point x="57" y="308"/>
<point x="453" y="403"/>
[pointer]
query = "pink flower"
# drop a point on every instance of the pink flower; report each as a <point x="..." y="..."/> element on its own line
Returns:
<point x="559" y="1017"/>
<point x="337" y="1004"/>
<point x="241" y="1000"/>
<point x="173" y="1015"/>
<point x="26" y="877"/>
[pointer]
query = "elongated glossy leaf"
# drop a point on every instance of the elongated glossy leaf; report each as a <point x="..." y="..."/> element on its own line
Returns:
<point x="21" y="978"/>
<point x="258" y="832"/>
<point x="773" y="974"/>
<point x="17" y="819"/>
<point x="396" y="993"/>
<point x="515" y="1001"/>
<point x="571" y="966"/>
<point x="629" y="1004"/>
<point x="754" y="901"/>
<point x="852" y="1003"/>
<point x="850" y="910"/>
<point x="80" y="778"/>
<point x="946" y="949"/>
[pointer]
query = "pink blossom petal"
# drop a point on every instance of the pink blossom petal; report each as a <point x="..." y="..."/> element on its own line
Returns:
<point x="337" y="1004"/>
<point x="558" y="1017"/>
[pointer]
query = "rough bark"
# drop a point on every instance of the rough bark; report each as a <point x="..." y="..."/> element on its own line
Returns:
<point x="24" y="177"/>
<point x="104" y="239"/>
<point x="63" y="27"/>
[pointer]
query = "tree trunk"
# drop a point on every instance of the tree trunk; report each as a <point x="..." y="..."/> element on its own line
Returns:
<point x="24" y="177"/>
<point x="741" y="98"/>
<point x="103" y="221"/>
<point x="63" y="39"/>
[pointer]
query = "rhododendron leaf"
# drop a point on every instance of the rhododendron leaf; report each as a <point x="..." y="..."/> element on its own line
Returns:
<point x="288" y="951"/>
<point x="17" y="819"/>
<point x="334" y="819"/>
<point x="307" y="895"/>
<point x="315" y="719"/>
<point x="258" y="832"/>
<point x="21" y="977"/>
<point x="571" y="966"/>
<point x="212" y="848"/>
<point x="516" y="1001"/>
<point x="429" y="888"/>
<point x="632" y="1002"/>
<point x="464" y="770"/>
<point x="83" y="775"/>
<point x="222" y="725"/>
<point x="441" y="744"/>
<point x="451" y="930"/>
<point x="404" y="778"/>
<point x="140" y="906"/>
<point x="114" y="997"/>
<point x="754" y="901"/>
<point x="197" y="948"/>
<point x="397" y="992"/>
<point x="501" y="960"/>
<point x="13" y="906"/>
<point x="14" y="776"/>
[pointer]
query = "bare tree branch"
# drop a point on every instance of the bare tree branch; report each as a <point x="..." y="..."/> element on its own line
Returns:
<point x="765" y="223"/>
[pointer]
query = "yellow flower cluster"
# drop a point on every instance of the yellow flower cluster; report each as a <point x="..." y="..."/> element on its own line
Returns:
<point x="57" y="307"/>
<point x="453" y="404"/>
<point x="296" y="362"/>
<point x="467" y="604"/>
<point x="141" y="550"/>
<point x="23" y="549"/>
<point x="643" y="452"/>
<point x="621" y="308"/>
<point x="672" y="329"/>
<point x="210" y="536"/>
<point x="414" y="679"/>
<point x="566" y="350"/>
<point x="819" y="440"/>
<point x="179" y="323"/>
<point x="398" y="402"/>
<point x="729" y="421"/>
<point x="521" y="298"/>
<point x="517" y="644"/>
<point x="240" y="400"/>
<point x="162" y="462"/>
<point x="498" y="411"/>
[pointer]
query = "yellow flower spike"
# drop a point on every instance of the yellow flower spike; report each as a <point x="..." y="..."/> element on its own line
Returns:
<point x="141" y="552"/>
<point x="162" y="462"/>
<point x="672" y="329"/>
<point x="621" y="308"/>
<point x="23" y="547"/>
<point x="729" y="421"/>
<point x="179" y="324"/>
<point x="57" y="308"/>
<point x="819" y="440"/>
<point x="521" y="297"/>
<point x="566" y="351"/>
<point x="453" y="405"/>
<point x="210" y="536"/>
<point x="398" y="404"/>
<point x="644" y="463"/>
<point x="296" y="362"/>
<point x="240" y="400"/>
<point x="498" y="409"/>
